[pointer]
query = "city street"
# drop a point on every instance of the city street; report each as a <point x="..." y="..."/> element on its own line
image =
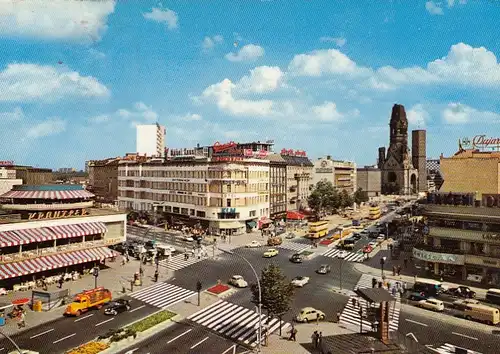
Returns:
<point x="184" y="338"/>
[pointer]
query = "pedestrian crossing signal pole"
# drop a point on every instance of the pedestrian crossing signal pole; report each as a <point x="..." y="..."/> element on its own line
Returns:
<point x="382" y="262"/>
<point x="198" y="289"/>
<point x="96" y="274"/>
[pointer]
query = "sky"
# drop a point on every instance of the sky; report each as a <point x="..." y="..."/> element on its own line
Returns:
<point x="76" y="77"/>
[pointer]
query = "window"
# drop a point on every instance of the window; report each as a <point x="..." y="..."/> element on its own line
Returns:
<point x="228" y="203"/>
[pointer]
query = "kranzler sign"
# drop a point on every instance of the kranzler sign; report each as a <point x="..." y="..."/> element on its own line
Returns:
<point x="58" y="214"/>
<point x="438" y="257"/>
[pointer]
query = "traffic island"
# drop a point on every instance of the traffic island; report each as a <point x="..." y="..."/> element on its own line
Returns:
<point x="307" y="254"/>
<point x="326" y="242"/>
<point x="218" y="289"/>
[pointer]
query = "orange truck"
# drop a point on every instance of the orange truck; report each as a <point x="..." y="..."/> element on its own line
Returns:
<point x="88" y="299"/>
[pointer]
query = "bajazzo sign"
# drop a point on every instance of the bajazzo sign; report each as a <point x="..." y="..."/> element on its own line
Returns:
<point x="58" y="214"/>
<point x="230" y="152"/>
<point x="481" y="141"/>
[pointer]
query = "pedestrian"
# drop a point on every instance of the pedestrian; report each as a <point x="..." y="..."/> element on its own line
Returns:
<point x="293" y="334"/>
<point x="61" y="281"/>
<point x="393" y="270"/>
<point x="374" y="282"/>
<point x="394" y="291"/>
<point x="22" y="319"/>
<point x="156" y="276"/>
<point x="320" y="341"/>
<point x="399" y="270"/>
<point x="353" y="301"/>
<point x="406" y="262"/>
<point x="314" y="339"/>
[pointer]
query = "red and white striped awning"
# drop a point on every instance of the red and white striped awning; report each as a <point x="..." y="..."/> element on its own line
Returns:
<point x="92" y="228"/>
<point x="40" y="264"/>
<point x="66" y="231"/>
<point x="70" y="194"/>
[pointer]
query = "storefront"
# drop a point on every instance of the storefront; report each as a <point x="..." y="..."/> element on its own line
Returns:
<point x="441" y="264"/>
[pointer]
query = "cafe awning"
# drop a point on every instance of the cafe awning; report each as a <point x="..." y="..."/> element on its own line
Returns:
<point x="229" y="225"/>
<point x="251" y="223"/>
<point x="40" y="264"/>
<point x="52" y="194"/>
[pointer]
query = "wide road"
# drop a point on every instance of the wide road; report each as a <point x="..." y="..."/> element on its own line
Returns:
<point x="436" y="330"/>
<point x="68" y="332"/>
<point x="184" y="338"/>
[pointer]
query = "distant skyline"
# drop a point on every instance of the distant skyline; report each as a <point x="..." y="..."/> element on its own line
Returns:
<point x="312" y="75"/>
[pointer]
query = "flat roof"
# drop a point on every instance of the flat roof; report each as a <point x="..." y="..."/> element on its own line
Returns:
<point x="460" y="211"/>
<point x="48" y="187"/>
<point x="15" y="218"/>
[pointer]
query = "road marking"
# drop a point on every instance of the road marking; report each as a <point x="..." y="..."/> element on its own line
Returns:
<point x="103" y="322"/>
<point x="180" y="335"/>
<point x="197" y="344"/>
<point x="82" y="318"/>
<point x="419" y="323"/>
<point x="41" y="334"/>
<point x="413" y="336"/>
<point x="463" y="335"/>
<point x="137" y="308"/>
<point x="132" y="351"/>
<point x="2" y="349"/>
<point x="230" y="348"/>
<point x="63" y="338"/>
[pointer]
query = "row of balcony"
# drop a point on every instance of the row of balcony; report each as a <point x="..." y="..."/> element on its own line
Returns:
<point x="45" y="207"/>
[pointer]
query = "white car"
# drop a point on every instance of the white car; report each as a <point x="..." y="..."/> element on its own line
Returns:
<point x="343" y="254"/>
<point x="431" y="304"/>
<point x="380" y="239"/>
<point x="238" y="281"/>
<point x="188" y="238"/>
<point x="254" y="244"/>
<point x="300" y="281"/>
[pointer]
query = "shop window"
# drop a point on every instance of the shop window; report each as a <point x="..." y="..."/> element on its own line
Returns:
<point x="200" y="214"/>
<point x="175" y="210"/>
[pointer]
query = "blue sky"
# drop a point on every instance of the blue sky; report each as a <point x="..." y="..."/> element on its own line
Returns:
<point x="322" y="76"/>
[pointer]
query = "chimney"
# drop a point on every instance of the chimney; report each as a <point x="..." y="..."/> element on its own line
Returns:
<point x="328" y="157"/>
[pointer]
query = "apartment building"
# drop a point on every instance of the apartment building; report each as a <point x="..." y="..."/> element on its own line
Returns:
<point x="299" y="182"/>
<point x="103" y="179"/>
<point x="277" y="185"/>
<point x="345" y="176"/>
<point x="226" y="194"/>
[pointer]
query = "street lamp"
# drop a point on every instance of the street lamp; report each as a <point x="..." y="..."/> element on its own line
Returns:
<point x="12" y="341"/>
<point x="259" y="333"/>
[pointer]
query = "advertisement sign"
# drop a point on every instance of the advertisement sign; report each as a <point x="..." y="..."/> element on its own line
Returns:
<point x="480" y="142"/>
<point x="58" y="214"/>
<point x="230" y="152"/>
<point x="8" y="163"/>
<point x="438" y="257"/>
<point x="291" y="152"/>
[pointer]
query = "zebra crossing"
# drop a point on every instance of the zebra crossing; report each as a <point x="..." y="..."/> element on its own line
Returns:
<point x="178" y="262"/>
<point x="350" y="316"/>
<point x="162" y="295"/>
<point x="351" y="256"/>
<point x="236" y="322"/>
<point x="451" y="349"/>
<point x="295" y="246"/>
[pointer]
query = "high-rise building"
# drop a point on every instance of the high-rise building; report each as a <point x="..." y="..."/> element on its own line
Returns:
<point x="419" y="157"/>
<point x="277" y="186"/>
<point x="151" y="140"/>
<point x="369" y="180"/>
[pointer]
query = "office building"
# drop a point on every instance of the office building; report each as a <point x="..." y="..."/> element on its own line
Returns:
<point x="151" y="140"/>
<point x="369" y="179"/>
<point x="299" y="182"/>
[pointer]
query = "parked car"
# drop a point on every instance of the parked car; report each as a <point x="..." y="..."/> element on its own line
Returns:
<point x="116" y="307"/>
<point x="300" y="281"/>
<point x="323" y="269"/>
<point x="238" y="281"/>
<point x="253" y="244"/>
<point x="271" y="253"/>
<point x="417" y="296"/>
<point x="309" y="314"/>
<point x="274" y="241"/>
<point x="367" y="249"/>
<point x="463" y="303"/>
<point x="290" y="236"/>
<point x="187" y="238"/>
<point x="343" y="254"/>
<point x="296" y="258"/>
<point x="462" y="291"/>
<point x="431" y="304"/>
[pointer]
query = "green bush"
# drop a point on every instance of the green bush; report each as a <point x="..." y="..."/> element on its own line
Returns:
<point x="306" y="253"/>
<point x="151" y="321"/>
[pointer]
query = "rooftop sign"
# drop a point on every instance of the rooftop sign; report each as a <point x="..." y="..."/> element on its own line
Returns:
<point x="6" y="163"/>
<point x="291" y="152"/>
<point x="480" y="142"/>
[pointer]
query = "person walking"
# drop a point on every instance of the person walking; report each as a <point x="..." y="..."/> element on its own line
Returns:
<point x="22" y="319"/>
<point x="353" y="301"/>
<point x="314" y="338"/>
<point x="156" y="276"/>
<point x="320" y="341"/>
<point x="293" y="333"/>
<point x="61" y="281"/>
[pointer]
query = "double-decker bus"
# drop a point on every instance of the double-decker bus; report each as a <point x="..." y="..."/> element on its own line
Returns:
<point x="375" y="212"/>
<point x="318" y="229"/>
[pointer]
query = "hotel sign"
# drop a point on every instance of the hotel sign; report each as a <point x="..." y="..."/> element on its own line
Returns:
<point x="438" y="257"/>
<point x="58" y="214"/>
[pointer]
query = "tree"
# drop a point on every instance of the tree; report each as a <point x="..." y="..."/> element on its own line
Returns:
<point x="323" y="197"/>
<point x="277" y="292"/>
<point x="345" y="199"/>
<point x="360" y="196"/>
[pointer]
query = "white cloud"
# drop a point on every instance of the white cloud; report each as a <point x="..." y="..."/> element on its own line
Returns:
<point x="339" y="41"/>
<point x="210" y="42"/>
<point x="433" y="8"/>
<point x="250" y="52"/>
<point x="74" y="20"/>
<point x="96" y="54"/>
<point x="452" y="3"/>
<point x="51" y="126"/>
<point x="16" y="115"/>
<point x="166" y="16"/>
<point x="222" y="95"/>
<point x="28" y="82"/>
<point x="458" y="113"/>
<point x="189" y="117"/>
<point x="261" y="79"/>
<point x="102" y="118"/>
<point x="417" y="115"/>
<point x="327" y="112"/>
<point x="139" y="114"/>
<point x="321" y="62"/>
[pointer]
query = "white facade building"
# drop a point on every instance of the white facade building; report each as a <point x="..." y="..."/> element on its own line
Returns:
<point x="151" y="140"/>
<point x="226" y="197"/>
<point x="8" y="180"/>
<point x="342" y="174"/>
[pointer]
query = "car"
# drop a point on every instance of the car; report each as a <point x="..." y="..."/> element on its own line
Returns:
<point x="300" y="281"/>
<point x="187" y="238"/>
<point x="431" y="304"/>
<point x="253" y="244"/>
<point x="343" y="254"/>
<point x="296" y="258"/>
<point x="117" y="306"/>
<point x="417" y="296"/>
<point x="373" y="243"/>
<point x="309" y="314"/>
<point x="463" y="303"/>
<point x="290" y="236"/>
<point x="380" y="239"/>
<point x="462" y="291"/>
<point x="356" y="236"/>
<point x="367" y="249"/>
<point x="364" y="232"/>
<point x="24" y="351"/>
<point x="271" y="253"/>
<point x="323" y="269"/>
<point x="238" y="281"/>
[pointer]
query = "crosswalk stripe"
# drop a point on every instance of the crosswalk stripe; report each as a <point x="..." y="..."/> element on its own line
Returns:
<point x="294" y="246"/>
<point x="351" y="256"/>
<point x="234" y="321"/>
<point x="178" y="262"/>
<point x="448" y="348"/>
<point x="162" y="295"/>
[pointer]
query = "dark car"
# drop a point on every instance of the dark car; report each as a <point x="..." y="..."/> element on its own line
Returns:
<point x="296" y="258"/>
<point x="356" y="236"/>
<point x="417" y="296"/>
<point x="462" y="291"/>
<point x="116" y="307"/>
<point x="323" y="269"/>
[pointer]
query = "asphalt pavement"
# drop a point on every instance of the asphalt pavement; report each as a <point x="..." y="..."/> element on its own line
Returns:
<point x="68" y="332"/>
<point x="185" y="338"/>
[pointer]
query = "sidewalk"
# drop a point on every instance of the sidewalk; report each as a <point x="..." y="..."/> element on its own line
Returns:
<point x="409" y="279"/>
<point x="112" y="278"/>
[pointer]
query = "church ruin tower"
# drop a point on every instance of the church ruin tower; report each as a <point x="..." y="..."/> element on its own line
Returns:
<point x="419" y="157"/>
<point x="398" y="126"/>
<point x="381" y="157"/>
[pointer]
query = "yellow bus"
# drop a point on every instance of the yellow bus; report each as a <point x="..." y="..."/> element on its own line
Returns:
<point x="482" y="313"/>
<point x="374" y="213"/>
<point x="318" y="229"/>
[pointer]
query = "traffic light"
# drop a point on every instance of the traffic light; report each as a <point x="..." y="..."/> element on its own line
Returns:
<point x="95" y="271"/>
<point x="198" y="286"/>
